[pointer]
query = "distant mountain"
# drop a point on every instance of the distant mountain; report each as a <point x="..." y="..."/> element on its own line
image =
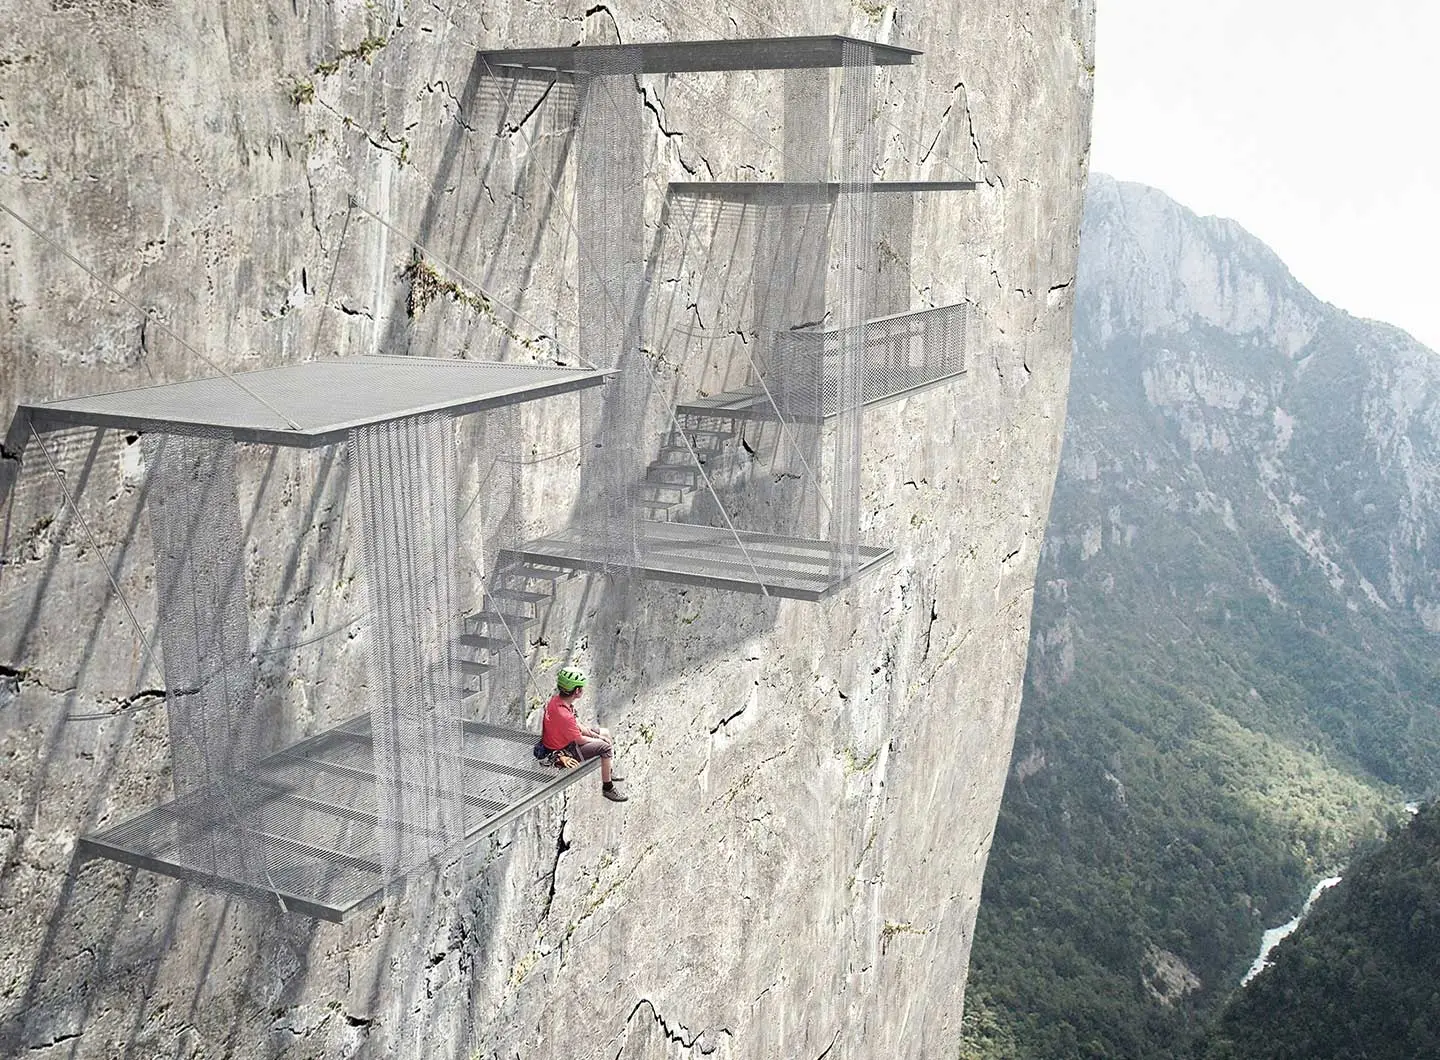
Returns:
<point x="1360" y="977"/>
<point x="1233" y="674"/>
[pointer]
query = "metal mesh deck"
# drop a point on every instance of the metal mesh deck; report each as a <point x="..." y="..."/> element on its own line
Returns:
<point x="760" y="53"/>
<point x="790" y="191"/>
<point x="316" y="403"/>
<point x="304" y="823"/>
<point x="741" y="561"/>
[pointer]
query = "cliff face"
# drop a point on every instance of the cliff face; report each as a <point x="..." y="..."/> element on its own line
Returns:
<point x="814" y="785"/>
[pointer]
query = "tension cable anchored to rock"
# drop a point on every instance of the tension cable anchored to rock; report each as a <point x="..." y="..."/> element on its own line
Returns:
<point x="437" y="760"/>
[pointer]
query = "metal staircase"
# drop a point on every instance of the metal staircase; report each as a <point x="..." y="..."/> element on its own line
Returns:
<point x="519" y="592"/>
<point x="674" y="476"/>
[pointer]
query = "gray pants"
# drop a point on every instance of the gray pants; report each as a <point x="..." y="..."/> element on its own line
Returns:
<point x="594" y="747"/>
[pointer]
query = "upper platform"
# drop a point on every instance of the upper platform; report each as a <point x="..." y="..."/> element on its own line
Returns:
<point x="318" y="402"/>
<point x="673" y="57"/>
<point x="806" y="191"/>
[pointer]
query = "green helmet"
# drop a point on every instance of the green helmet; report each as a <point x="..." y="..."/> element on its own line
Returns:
<point x="569" y="679"/>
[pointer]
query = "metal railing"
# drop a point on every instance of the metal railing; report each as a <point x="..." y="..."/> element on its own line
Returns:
<point x="901" y="354"/>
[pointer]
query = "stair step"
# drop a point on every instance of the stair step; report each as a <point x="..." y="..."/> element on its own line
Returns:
<point x="538" y="572"/>
<point x="470" y="666"/>
<point x="655" y="504"/>
<point x="685" y="451"/>
<point x="706" y="432"/>
<point x="690" y="472"/>
<point x="642" y="490"/>
<point x="492" y="619"/>
<point x="479" y="640"/>
<point x="523" y="595"/>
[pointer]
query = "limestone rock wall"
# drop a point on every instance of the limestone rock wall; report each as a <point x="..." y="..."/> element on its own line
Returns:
<point x="814" y="785"/>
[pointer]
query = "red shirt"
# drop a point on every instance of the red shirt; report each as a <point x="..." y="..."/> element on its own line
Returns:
<point x="559" y="727"/>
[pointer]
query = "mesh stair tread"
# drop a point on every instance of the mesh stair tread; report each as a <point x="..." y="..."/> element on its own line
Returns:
<point x="528" y="596"/>
<point x="499" y="618"/>
<point x="481" y="640"/>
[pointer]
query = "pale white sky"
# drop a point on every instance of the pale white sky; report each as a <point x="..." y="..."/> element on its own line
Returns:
<point x="1314" y="123"/>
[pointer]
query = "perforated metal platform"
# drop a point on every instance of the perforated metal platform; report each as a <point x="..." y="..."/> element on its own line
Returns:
<point x="305" y="824"/>
<point x="805" y="191"/>
<point x="669" y="57"/>
<point x="316" y="403"/>
<point x="902" y="355"/>
<point x="795" y="568"/>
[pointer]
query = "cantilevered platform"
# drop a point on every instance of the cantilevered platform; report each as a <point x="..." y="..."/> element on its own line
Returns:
<point x="795" y="568"/>
<point x="805" y="191"/>
<point x="673" y="57"/>
<point x="318" y="402"/>
<point x="304" y="824"/>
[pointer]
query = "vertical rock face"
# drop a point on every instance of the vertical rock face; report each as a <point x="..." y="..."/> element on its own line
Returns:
<point x="814" y="785"/>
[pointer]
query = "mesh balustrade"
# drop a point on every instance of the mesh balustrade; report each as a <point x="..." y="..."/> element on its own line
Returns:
<point x="609" y="201"/>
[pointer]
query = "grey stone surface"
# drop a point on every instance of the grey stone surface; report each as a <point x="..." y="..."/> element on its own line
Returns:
<point x="814" y="786"/>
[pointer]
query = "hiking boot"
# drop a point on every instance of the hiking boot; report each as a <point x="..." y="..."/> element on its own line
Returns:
<point x="614" y="794"/>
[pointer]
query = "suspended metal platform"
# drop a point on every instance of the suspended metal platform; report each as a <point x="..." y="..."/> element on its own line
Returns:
<point x="671" y="57"/>
<point x="305" y="826"/>
<point x="806" y="191"/>
<point x="794" y="568"/>
<point x="317" y="402"/>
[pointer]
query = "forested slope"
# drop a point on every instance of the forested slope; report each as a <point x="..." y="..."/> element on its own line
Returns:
<point x="1359" y="977"/>
<point x="1233" y="672"/>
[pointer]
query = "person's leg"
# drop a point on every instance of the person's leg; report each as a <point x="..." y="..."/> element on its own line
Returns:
<point x="604" y="750"/>
<point x="600" y="748"/>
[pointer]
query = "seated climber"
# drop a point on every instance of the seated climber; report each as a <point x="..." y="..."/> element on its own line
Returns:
<point x="561" y="731"/>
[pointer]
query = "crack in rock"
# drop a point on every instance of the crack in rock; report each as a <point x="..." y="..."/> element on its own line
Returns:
<point x="511" y="128"/>
<point x="10" y="682"/>
<point x="142" y="700"/>
<point x="726" y="721"/>
<point x="703" y="1040"/>
<point x="980" y="159"/>
<point x="831" y="1046"/>
<point x="604" y="9"/>
<point x="561" y="846"/>
<point x="654" y="108"/>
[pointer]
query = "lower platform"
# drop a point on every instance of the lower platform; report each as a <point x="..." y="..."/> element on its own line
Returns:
<point x="304" y="825"/>
<point x="795" y="568"/>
